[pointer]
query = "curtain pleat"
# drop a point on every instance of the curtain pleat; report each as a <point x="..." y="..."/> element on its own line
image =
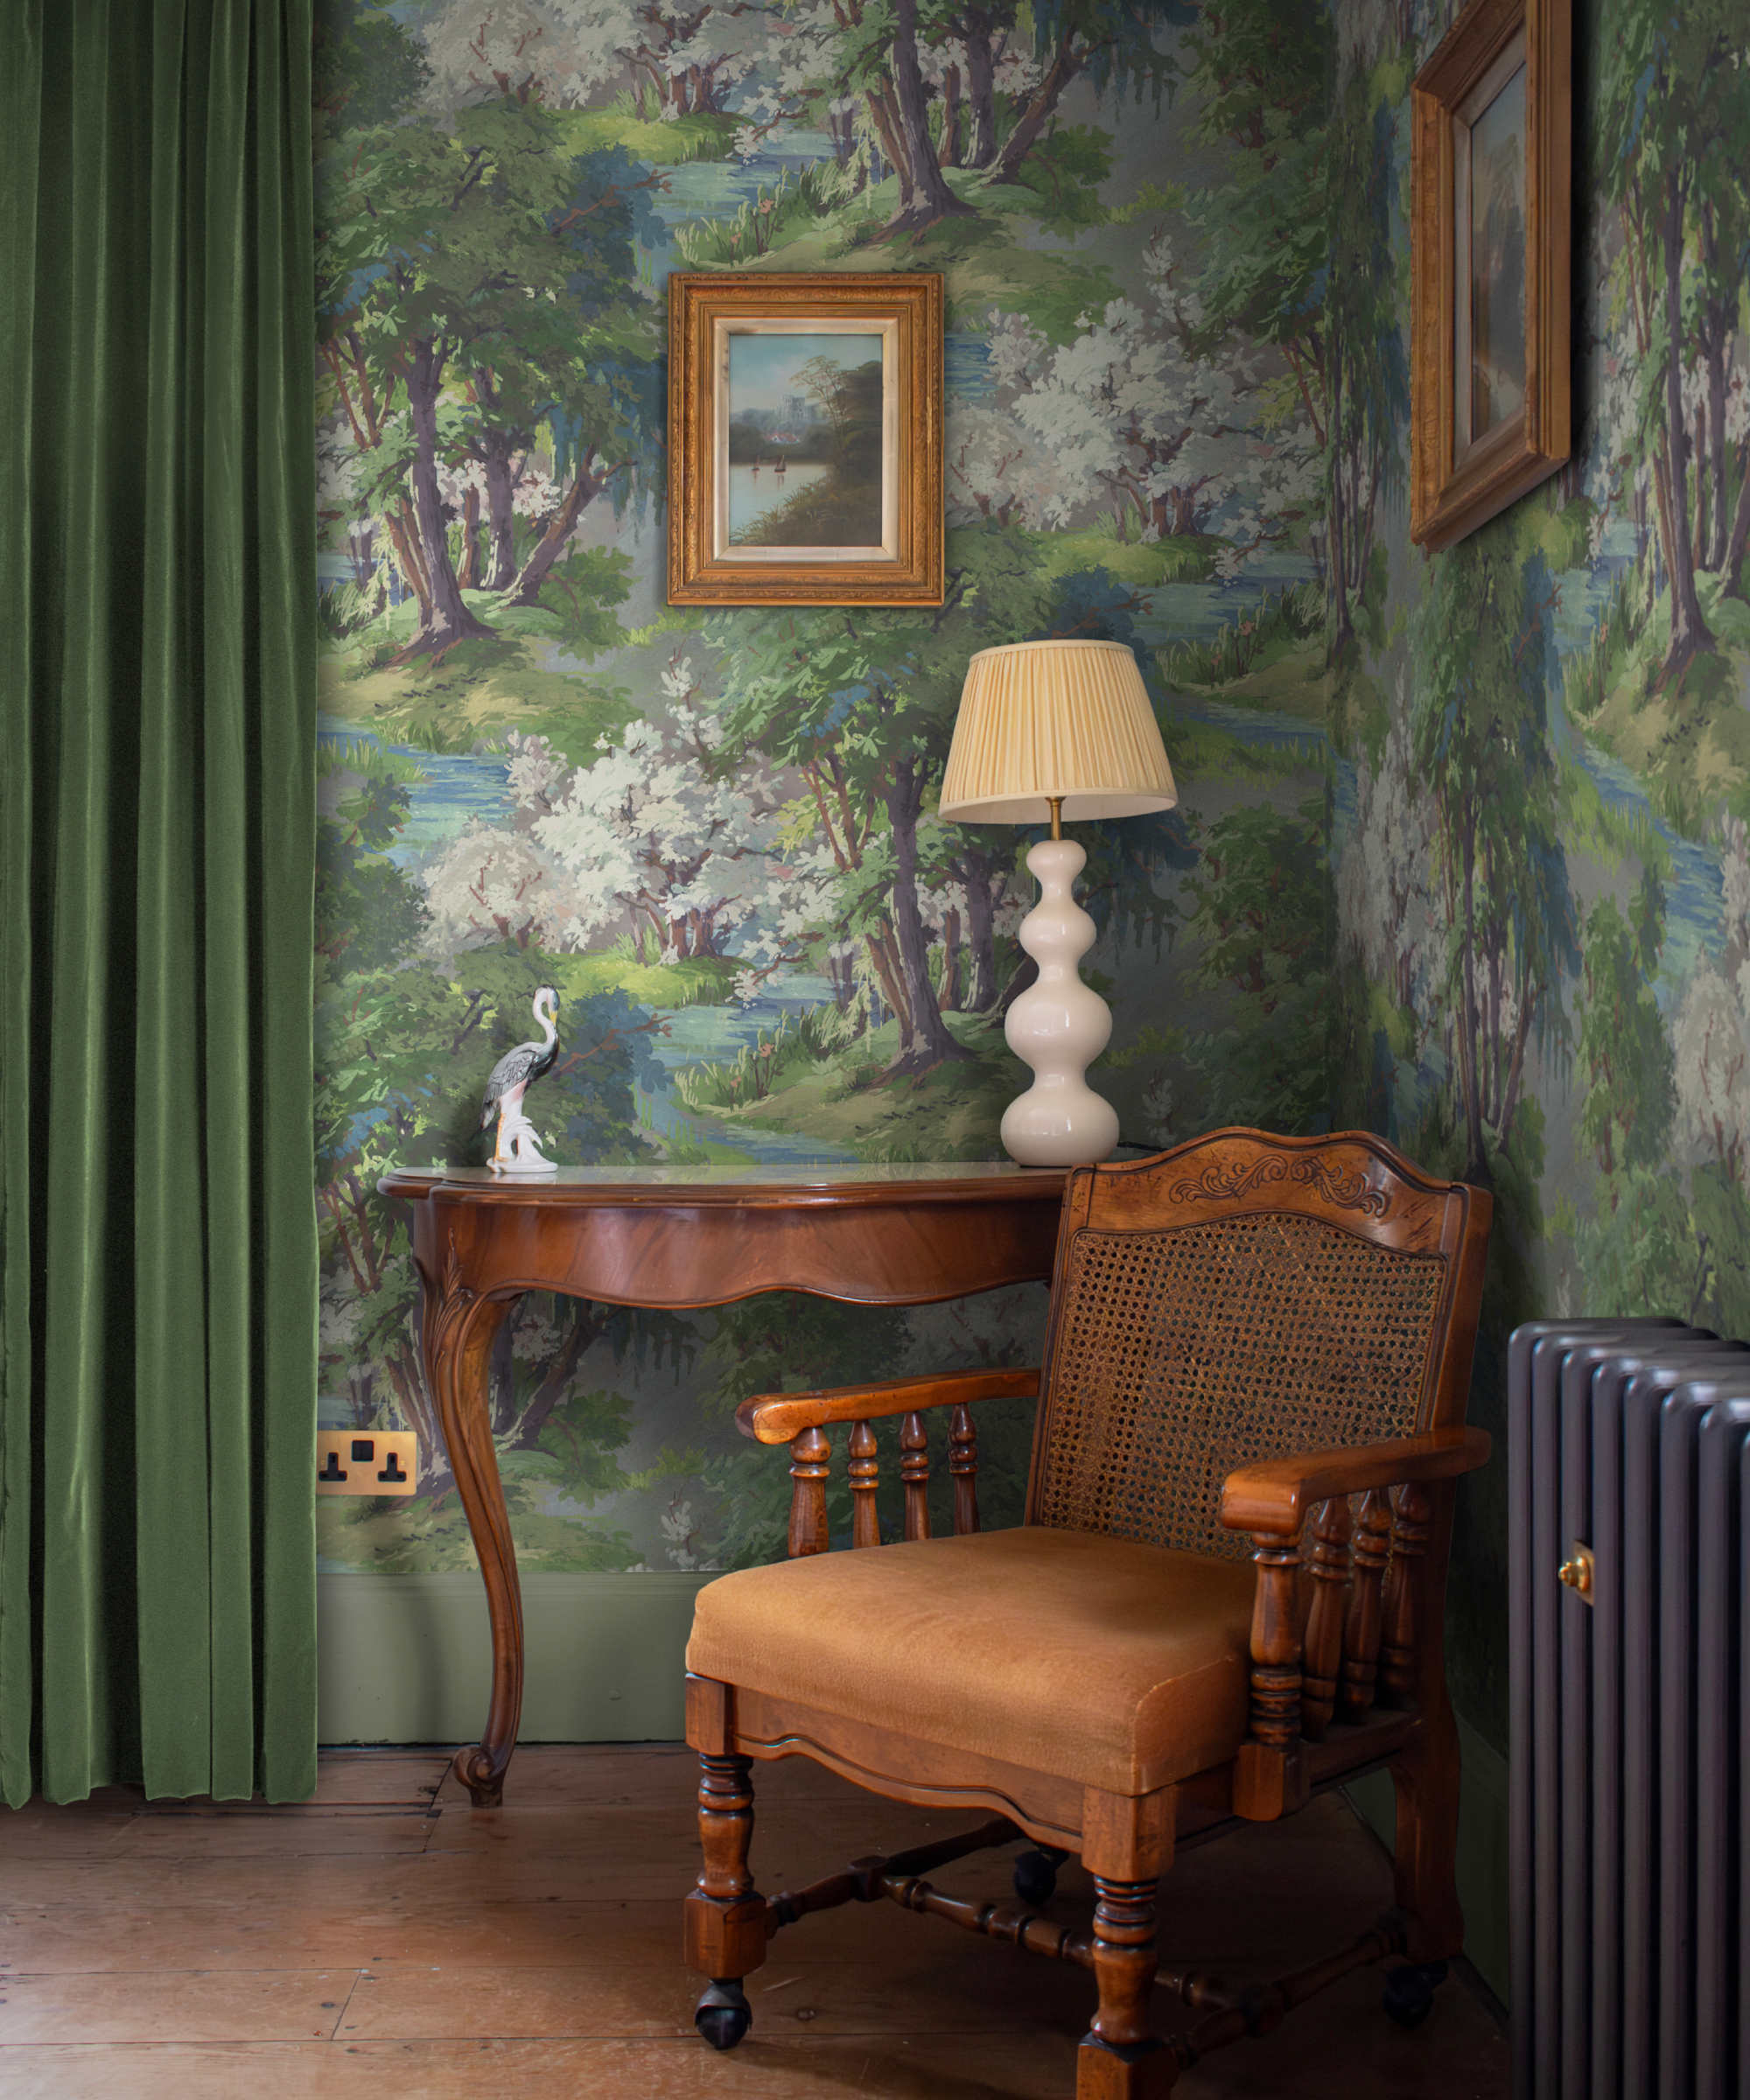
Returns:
<point x="157" y="1237"/>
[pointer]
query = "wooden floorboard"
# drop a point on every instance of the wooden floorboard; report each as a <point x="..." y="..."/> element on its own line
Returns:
<point x="385" y="1940"/>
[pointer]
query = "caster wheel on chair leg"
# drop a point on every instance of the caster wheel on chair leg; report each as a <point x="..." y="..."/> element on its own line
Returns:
<point x="1409" y="1995"/>
<point x="1036" y="1875"/>
<point x="724" y="2015"/>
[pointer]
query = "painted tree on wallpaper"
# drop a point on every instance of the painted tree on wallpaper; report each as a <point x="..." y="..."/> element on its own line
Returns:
<point x="1541" y="876"/>
<point x="1180" y="419"/>
<point x="1463" y="853"/>
<point x="1602" y="619"/>
<point x="1674" y="127"/>
<point x="717" y="837"/>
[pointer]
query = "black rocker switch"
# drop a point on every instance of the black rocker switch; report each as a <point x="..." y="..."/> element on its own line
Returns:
<point x="331" y="1470"/>
<point x="393" y="1470"/>
<point x="364" y="1450"/>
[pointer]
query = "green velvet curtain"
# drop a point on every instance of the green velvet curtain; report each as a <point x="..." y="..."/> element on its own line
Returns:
<point x="157" y="1238"/>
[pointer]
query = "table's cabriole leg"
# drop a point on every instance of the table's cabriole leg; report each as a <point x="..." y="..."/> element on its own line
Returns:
<point x="459" y="1330"/>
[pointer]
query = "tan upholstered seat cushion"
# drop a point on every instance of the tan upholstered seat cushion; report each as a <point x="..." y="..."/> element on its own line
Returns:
<point x="1102" y="1660"/>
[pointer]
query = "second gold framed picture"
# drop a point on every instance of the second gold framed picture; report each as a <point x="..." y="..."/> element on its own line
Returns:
<point x="805" y="439"/>
<point x="1492" y="148"/>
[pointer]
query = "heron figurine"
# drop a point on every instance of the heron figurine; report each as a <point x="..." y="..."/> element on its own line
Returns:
<point x="517" y="1147"/>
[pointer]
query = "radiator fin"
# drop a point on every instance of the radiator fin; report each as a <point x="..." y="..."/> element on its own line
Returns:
<point x="1629" y="1946"/>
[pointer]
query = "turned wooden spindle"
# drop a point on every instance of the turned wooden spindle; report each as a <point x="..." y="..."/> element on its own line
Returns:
<point x="1270" y="1779"/>
<point x="726" y="1917"/>
<point x="1362" y="1627"/>
<point x="1123" y="1962"/>
<point x="865" y="1525"/>
<point x="725" y="1826"/>
<point x="915" y="1471"/>
<point x="1276" y="1645"/>
<point x="810" y="1453"/>
<point x="1410" y="1529"/>
<point x="962" y="1463"/>
<point x="1322" y="1651"/>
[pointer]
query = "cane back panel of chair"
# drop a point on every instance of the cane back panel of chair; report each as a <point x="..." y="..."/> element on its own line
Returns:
<point x="1184" y="1352"/>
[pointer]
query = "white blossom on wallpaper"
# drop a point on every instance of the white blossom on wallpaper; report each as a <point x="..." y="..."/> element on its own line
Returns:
<point x="717" y="837"/>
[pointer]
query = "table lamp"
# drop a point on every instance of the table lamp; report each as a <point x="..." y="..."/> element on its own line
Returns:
<point x="1050" y="731"/>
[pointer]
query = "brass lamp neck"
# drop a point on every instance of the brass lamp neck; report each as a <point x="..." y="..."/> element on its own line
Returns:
<point x="1056" y="805"/>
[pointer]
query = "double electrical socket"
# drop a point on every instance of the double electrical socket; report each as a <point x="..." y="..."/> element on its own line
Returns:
<point x="386" y="1462"/>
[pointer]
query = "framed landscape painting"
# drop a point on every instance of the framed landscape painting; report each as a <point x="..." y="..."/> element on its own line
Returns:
<point x="805" y="439"/>
<point x="1492" y="114"/>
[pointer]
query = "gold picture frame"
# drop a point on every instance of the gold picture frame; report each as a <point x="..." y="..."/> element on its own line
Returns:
<point x="805" y="439"/>
<point x="1492" y="117"/>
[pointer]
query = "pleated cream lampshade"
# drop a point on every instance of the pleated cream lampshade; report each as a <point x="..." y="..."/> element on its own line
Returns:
<point x="1040" y="720"/>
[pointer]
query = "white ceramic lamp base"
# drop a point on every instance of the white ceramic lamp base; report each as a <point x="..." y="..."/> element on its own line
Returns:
<point x="1058" y="1026"/>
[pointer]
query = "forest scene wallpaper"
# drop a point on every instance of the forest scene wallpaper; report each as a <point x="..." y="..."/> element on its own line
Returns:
<point x="1463" y="848"/>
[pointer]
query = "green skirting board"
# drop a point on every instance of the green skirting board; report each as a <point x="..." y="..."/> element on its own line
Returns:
<point x="408" y="1659"/>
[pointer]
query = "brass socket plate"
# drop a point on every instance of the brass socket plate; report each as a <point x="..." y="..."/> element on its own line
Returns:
<point x="367" y="1461"/>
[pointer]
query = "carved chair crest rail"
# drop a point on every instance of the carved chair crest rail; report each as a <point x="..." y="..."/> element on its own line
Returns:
<point x="1258" y="1350"/>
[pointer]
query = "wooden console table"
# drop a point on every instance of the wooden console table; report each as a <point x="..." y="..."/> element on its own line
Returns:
<point x="679" y="1237"/>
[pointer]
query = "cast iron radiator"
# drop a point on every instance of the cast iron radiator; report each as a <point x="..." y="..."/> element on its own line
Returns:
<point x="1631" y="1950"/>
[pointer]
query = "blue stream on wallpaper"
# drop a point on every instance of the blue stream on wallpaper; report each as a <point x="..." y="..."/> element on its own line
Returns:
<point x="457" y="785"/>
<point x="716" y="1035"/>
<point x="1585" y="591"/>
<point x="1692" y="895"/>
<point x="1198" y="611"/>
<point x="718" y="189"/>
<point x="462" y="785"/>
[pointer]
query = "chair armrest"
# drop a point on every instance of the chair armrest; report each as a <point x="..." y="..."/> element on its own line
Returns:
<point x="1361" y="1623"/>
<point x="780" y="1418"/>
<point x="1274" y="1495"/>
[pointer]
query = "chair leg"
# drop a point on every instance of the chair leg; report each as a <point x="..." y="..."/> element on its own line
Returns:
<point x="1122" y="2058"/>
<point x="1426" y="1780"/>
<point x="726" y="1917"/>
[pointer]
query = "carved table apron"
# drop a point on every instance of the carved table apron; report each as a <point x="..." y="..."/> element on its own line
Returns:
<point x="677" y="1238"/>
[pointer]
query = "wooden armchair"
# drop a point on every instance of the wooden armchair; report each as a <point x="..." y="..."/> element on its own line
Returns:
<point x="1258" y="1347"/>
